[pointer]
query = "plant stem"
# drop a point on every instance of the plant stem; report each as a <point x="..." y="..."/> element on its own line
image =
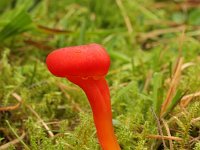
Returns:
<point x="98" y="94"/>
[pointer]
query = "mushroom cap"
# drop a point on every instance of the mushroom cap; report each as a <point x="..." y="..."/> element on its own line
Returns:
<point x="85" y="61"/>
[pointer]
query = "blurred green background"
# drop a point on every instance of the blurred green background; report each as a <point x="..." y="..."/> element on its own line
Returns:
<point x="149" y="42"/>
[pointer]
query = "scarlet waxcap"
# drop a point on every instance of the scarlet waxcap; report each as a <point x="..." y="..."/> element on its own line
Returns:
<point x="85" y="61"/>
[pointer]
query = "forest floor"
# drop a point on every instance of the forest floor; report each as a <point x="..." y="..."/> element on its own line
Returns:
<point x="154" y="77"/>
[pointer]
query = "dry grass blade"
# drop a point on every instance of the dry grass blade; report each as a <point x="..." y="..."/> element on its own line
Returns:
<point x="15" y="141"/>
<point x="39" y="45"/>
<point x="156" y="33"/>
<point x="178" y="6"/>
<point x="51" y="30"/>
<point x="186" y="65"/>
<point x="195" y="120"/>
<point x="168" y="133"/>
<point x="164" y="137"/>
<point x="187" y="98"/>
<point x="9" y="108"/>
<point x="173" y="86"/>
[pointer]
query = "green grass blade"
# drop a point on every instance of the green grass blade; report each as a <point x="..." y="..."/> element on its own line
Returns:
<point x="18" y="24"/>
<point x="175" y="101"/>
<point x="157" y="91"/>
<point x="119" y="56"/>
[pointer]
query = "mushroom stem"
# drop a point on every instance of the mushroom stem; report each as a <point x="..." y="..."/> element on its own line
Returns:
<point x="97" y="91"/>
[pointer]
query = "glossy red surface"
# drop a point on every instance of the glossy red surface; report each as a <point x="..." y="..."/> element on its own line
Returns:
<point x="86" y="66"/>
<point x="84" y="61"/>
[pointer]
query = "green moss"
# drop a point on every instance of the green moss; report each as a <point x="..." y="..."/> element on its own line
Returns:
<point x="138" y="77"/>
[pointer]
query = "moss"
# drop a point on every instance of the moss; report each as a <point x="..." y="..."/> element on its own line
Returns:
<point x="136" y="56"/>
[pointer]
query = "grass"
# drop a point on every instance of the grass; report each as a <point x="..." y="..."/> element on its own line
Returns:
<point x="154" y="76"/>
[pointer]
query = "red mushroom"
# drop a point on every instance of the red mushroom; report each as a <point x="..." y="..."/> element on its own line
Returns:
<point x="87" y="66"/>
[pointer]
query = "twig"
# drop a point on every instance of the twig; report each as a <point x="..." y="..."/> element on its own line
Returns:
<point x="15" y="141"/>
<point x="164" y="137"/>
<point x="35" y="113"/>
<point x="8" y="108"/>
<point x="15" y="95"/>
<point x="159" y="127"/>
<point x="40" y="119"/>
